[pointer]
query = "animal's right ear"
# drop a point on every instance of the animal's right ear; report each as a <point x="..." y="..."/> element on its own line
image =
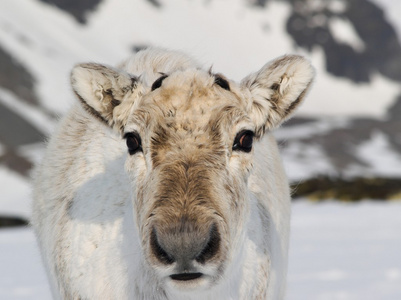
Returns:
<point x="102" y="89"/>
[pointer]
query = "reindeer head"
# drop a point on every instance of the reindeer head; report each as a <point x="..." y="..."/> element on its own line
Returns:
<point x="190" y="136"/>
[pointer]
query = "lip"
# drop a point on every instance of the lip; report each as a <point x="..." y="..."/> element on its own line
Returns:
<point x="189" y="281"/>
<point x="186" y="276"/>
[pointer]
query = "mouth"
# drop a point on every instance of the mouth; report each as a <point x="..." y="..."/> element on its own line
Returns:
<point x="189" y="281"/>
<point x="186" y="276"/>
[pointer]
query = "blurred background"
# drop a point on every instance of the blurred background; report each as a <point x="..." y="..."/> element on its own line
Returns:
<point x="342" y="151"/>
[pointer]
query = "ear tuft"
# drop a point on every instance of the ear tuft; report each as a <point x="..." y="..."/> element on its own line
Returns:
<point x="277" y="89"/>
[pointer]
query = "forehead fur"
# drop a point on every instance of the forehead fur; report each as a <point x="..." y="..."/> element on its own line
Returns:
<point x="191" y="101"/>
<point x="150" y="63"/>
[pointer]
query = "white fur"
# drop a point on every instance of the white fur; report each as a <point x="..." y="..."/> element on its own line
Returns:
<point x="85" y="210"/>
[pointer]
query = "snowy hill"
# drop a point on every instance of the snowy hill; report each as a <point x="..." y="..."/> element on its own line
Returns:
<point x="349" y="126"/>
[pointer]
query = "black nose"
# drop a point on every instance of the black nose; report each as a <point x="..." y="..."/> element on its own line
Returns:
<point x="158" y="250"/>
<point x="212" y="246"/>
<point x="185" y="244"/>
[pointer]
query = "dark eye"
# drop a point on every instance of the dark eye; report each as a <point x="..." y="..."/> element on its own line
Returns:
<point x="243" y="141"/>
<point x="134" y="143"/>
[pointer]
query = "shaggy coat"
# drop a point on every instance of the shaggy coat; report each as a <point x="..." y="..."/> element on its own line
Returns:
<point x="164" y="182"/>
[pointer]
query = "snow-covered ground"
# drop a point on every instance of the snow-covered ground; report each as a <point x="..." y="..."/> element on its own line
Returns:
<point x="338" y="252"/>
<point x="343" y="251"/>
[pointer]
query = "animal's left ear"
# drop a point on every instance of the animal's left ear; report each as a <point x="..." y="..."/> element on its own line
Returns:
<point x="277" y="89"/>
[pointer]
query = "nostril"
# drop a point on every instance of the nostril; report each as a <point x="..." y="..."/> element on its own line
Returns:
<point x="186" y="276"/>
<point x="158" y="250"/>
<point x="212" y="246"/>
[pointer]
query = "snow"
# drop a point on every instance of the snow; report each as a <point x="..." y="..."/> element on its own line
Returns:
<point x="377" y="154"/>
<point x="338" y="251"/>
<point x="22" y="275"/>
<point x="391" y="10"/>
<point x="15" y="194"/>
<point x="318" y="126"/>
<point x="29" y="112"/>
<point x="305" y="161"/>
<point x="343" y="251"/>
<point x="337" y="6"/>
<point x="331" y="96"/>
<point x="344" y="32"/>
